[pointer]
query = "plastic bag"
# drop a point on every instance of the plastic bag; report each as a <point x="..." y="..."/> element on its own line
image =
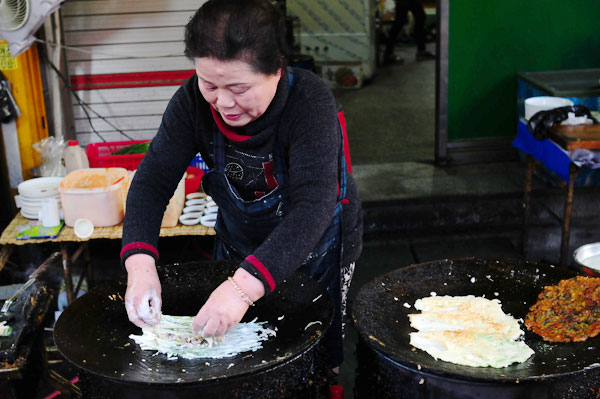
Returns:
<point x="587" y="158"/>
<point x="50" y="150"/>
<point x="540" y="123"/>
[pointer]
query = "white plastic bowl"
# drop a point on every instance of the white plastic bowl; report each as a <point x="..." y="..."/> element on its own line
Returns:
<point x="588" y="258"/>
<point x="40" y="187"/>
<point x="533" y="105"/>
<point x="25" y="202"/>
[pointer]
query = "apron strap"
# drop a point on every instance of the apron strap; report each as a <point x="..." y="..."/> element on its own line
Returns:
<point x="342" y="120"/>
<point x="218" y="149"/>
<point x="343" y="165"/>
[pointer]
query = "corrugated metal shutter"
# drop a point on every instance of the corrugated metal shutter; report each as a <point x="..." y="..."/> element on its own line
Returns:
<point x="125" y="61"/>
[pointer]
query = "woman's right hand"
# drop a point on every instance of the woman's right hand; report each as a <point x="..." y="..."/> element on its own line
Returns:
<point x="143" y="297"/>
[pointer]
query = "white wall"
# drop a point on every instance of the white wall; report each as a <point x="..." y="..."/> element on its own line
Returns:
<point x="113" y="38"/>
<point x="119" y="37"/>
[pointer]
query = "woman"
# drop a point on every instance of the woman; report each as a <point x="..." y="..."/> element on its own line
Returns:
<point x="277" y="171"/>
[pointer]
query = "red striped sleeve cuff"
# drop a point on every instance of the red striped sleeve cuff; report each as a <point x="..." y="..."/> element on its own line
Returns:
<point x="253" y="260"/>
<point x="139" y="246"/>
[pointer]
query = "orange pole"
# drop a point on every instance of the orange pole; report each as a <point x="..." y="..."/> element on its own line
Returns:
<point x="26" y="80"/>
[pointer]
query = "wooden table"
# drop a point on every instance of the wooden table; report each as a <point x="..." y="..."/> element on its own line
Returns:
<point x="67" y="235"/>
<point x="576" y="136"/>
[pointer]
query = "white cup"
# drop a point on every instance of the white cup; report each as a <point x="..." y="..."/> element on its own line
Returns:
<point x="49" y="214"/>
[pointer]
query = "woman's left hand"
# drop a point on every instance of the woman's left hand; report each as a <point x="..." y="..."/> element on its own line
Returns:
<point x="222" y="311"/>
<point x="225" y="306"/>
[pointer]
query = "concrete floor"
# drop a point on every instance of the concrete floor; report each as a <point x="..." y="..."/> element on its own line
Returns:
<point x="391" y="129"/>
<point x="391" y="119"/>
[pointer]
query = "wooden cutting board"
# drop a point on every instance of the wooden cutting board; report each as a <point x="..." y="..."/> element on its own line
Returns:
<point x="576" y="136"/>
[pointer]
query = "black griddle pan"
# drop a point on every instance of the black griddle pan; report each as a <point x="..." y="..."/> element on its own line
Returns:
<point x="382" y="319"/>
<point x="93" y="332"/>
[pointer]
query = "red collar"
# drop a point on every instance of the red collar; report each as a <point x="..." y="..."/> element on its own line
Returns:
<point x="228" y="131"/>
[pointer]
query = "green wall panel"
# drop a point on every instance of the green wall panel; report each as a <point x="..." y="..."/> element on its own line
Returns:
<point x="492" y="40"/>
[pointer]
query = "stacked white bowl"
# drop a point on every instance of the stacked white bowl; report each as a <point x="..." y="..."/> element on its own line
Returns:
<point x="33" y="192"/>
<point x="199" y="208"/>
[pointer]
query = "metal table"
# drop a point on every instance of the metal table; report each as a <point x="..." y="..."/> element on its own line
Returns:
<point x="569" y="184"/>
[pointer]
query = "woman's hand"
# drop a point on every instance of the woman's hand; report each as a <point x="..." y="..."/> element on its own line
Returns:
<point x="142" y="299"/>
<point x="225" y="307"/>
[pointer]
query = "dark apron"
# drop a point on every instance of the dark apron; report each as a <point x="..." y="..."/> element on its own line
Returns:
<point x="242" y="226"/>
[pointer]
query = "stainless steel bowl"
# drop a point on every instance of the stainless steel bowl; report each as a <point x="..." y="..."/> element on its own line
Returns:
<point x="588" y="258"/>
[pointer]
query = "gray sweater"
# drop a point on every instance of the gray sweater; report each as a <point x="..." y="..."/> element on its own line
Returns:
<point x="303" y="117"/>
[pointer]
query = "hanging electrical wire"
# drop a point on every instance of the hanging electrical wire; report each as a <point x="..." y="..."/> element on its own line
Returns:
<point x="84" y="106"/>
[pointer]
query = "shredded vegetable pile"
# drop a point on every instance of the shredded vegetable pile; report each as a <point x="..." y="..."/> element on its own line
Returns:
<point x="174" y="337"/>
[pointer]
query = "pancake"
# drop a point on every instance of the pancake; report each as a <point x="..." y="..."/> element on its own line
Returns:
<point x="471" y="348"/>
<point x="468" y="330"/>
<point x="446" y="313"/>
<point x="568" y="311"/>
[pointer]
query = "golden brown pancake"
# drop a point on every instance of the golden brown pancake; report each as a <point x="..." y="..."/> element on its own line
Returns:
<point x="568" y="311"/>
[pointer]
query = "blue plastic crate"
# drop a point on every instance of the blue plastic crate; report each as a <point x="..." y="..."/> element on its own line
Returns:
<point x="198" y="162"/>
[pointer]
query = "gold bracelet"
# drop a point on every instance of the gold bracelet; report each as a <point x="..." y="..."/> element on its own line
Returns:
<point x="239" y="290"/>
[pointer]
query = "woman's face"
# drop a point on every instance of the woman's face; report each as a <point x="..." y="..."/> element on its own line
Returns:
<point x="235" y="90"/>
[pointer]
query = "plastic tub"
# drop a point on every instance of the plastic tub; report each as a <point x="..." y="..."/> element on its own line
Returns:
<point x="95" y="194"/>
<point x="193" y="179"/>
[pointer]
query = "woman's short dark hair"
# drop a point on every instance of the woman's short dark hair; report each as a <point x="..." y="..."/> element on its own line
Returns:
<point x="249" y="30"/>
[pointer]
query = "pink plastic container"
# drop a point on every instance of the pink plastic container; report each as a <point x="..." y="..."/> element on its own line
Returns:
<point x="96" y="194"/>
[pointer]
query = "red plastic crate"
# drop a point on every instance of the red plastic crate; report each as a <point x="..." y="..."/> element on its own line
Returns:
<point x="100" y="155"/>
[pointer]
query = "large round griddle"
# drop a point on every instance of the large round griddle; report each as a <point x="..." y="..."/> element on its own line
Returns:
<point x="93" y="332"/>
<point x="382" y="318"/>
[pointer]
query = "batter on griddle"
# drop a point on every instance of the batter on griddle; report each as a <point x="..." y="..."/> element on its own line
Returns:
<point x="174" y="337"/>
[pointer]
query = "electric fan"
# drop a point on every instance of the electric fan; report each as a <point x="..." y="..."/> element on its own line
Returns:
<point x="20" y="19"/>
